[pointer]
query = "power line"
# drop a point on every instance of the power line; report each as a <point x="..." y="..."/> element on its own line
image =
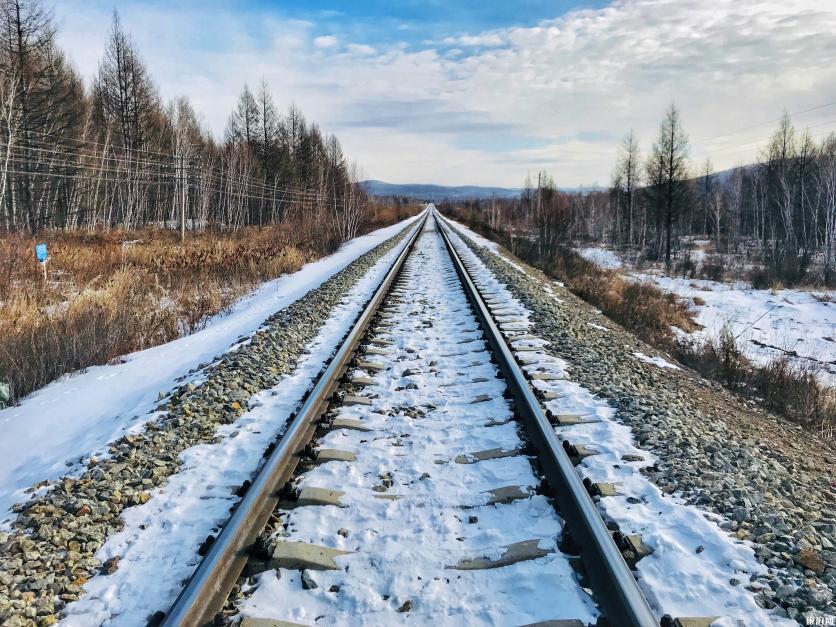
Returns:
<point x="17" y="155"/>
<point x="772" y="121"/>
<point x="754" y="144"/>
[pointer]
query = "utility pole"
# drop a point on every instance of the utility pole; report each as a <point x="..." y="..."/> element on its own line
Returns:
<point x="538" y="193"/>
<point x="183" y="195"/>
<point x="539" y="220"/>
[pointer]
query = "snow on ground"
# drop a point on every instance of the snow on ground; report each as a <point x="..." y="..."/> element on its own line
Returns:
<point x="486" y="243"/>
<point x="656" y="361"/>
<point x="693" y="559"/>
<point x="600" y="256"/>
<point x="158" y="546"/>
<point x="767" y="323"/>
<point x="402" y="549"/>
<point x="46" y="435"/>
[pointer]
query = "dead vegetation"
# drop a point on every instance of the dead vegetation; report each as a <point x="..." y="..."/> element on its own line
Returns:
<point x="782" y="385"/>
<point x="109" y="293"/>
<point x="641" y="307"/>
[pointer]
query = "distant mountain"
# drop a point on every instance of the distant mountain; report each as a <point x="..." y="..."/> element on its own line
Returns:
<point x="435" y="193"/>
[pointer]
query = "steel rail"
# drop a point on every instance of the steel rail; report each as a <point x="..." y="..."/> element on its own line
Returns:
<point x="614" y="585"/>
<point x="207" y="590"/>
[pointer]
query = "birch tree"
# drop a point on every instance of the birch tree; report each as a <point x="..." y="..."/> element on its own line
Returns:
<point x="670" y="152"/>
<point x="628" y="169"/>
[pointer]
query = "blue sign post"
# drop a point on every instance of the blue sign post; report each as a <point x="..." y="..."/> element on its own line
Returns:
<point x="43" y="257"/>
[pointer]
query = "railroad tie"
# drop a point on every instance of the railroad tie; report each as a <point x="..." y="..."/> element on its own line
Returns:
<point x="565" y="420"/>
<point x="305" y="556"/>
<point x="325" y="455"/>
<point x="319" y="496"/>
<point x="249" y="621"/>
<point x="480" y="456"/>
<point x="607" y="489"/>
<point x="582" y="452"/>
<point x="349" y="423"/>
<point x="507" y="494"/>
<point x="527" y="359"/>
<point x="513" y="554"/>
<point x="547" y="395"/>
<point x="546" y="376"/>
<point x="351" y="399"/>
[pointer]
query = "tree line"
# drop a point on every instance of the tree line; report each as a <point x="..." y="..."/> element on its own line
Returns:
<point x="778" y="214"/>
<point x="779" y="211"/>
<point x="114" y="155"/>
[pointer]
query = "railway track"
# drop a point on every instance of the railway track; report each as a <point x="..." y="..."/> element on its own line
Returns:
<point x="419" y="481"/>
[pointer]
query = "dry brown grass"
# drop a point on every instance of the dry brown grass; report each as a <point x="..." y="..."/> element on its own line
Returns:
<point x="110" y="293"/>
<point x="641" y="307"/>
<point x="782" y="385"/>
<point x="114" y="292"/>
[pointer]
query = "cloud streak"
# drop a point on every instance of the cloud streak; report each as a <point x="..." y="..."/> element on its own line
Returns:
<point x="489" y="107"/>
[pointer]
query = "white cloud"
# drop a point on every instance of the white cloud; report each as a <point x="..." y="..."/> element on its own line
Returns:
<point x="558" y="95"/>
<point x="325" y="41"/>
<point x="486" y="39"/>
<point x="361" y="49"/>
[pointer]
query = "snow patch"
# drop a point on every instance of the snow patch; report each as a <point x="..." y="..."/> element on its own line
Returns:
<point x="601" y="256"/>
<point x="486" y="243"/>
<point x="768" y="324"/>
<point x="656" y="361"/>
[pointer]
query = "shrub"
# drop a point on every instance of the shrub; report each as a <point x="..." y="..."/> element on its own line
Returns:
<point x="104" y="321"/>
<point x="713" y="268"/>
<point x="760" y="278"/>
<point x="641" y="307"/>
<point x="685" y="268"/>
<point x="781" y="385"/>
<point x="730" y="359"/>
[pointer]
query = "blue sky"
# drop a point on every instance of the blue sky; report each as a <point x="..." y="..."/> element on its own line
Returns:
<point x="487" y="92"/>
<point x="416" y="20"/>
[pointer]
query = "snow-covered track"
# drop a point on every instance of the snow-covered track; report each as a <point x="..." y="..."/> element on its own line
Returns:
<point x="207" y="590"/>
<point x="615" y="591"/>
<point x="616" y="588"/>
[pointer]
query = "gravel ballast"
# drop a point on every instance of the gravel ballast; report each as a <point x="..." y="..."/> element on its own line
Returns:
<point x="50" y="551"/>
<point x="771" y="480"/>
